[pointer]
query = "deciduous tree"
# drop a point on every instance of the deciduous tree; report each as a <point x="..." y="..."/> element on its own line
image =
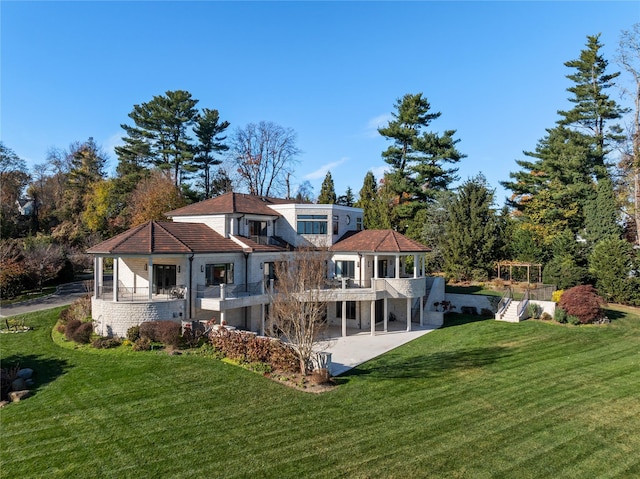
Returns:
<point x="264" y="154"/>
<point x="297" y="312"/>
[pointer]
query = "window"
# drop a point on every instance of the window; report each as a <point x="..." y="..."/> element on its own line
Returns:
<point x="312" y="224"/>
<point x="351" y="310"/>
<point x="219" y="274"/>
<point x="345" y="269"/>
<point x="269" y="269"/>
<point x="359" y="223"/>
<point x="335" y="224"/>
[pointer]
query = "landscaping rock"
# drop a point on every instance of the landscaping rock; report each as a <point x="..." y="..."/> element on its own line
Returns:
<point x="25" y="373"/>
<point x="3" y="404"/>
<point x="18" y="384"/>
<point x="15" y="396"/>
<point x="29" y="382"/>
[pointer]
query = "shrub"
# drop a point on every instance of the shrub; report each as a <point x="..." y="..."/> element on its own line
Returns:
<point x="142" y="344"/>
<point x="584" y="303"/>
<point x="557" y="295"/>
<point x="71" y="327"/>
<point x="534" y="310"/>
<point x="546" y="317"/>
<point x="82" y="333"/>
<point x="165" y="332"/>
<point x="79" y="310"/>
<point x="106" y="343"/>
<point x="133" y="333"/>
<point x="560" y="315"/>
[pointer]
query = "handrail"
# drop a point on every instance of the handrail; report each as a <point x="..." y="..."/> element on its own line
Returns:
<point x="524" y="302"/>
<point x="506" y="299"/>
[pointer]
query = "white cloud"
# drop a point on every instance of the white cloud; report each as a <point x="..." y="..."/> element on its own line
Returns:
<point x="376" y="122"/>
<point x="379" y="171"/>
<point x="321" y="172"/>
<point x="113" y="141"/>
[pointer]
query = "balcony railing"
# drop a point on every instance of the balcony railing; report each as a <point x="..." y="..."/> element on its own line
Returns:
<point x="131" y="293"/>
<point x="228" y="291"/>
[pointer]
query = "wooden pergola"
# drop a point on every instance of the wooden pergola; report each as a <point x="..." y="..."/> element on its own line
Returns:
<point x="517" y="264"/>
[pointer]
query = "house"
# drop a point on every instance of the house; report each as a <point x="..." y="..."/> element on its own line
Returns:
<point x="215" y="260"/>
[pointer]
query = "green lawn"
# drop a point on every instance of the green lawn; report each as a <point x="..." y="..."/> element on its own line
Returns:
<point x="475" y="399"/>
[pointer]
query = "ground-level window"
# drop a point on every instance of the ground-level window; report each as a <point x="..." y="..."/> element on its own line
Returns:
<point x="350" y="311"/>
<point x="312" y="224"/>
<point x="219" y="274"/>
<point x="345" y="269"/>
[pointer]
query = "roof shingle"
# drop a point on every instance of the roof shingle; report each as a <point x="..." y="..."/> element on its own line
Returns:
<point x="378" y="241"/>
<point x="231" y="203"/>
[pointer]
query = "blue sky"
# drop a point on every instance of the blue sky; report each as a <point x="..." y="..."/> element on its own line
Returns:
<point x="330" y="70"/>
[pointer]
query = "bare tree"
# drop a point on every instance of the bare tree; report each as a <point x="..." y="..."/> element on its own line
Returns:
<point x="629" y="59"/>
<point x="297" y="312"/>
<point x="264" y="154"/>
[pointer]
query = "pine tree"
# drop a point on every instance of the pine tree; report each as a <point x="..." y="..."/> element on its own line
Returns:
<point x="417" y="157"/>
<point x="208" y="130"/>
<point x="347" y="199"/>
<point x="327" y="191"/>
<point x="159" y="137"/>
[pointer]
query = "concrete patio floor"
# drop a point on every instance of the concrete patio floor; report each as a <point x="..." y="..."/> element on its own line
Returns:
<point x="359" y="346"/>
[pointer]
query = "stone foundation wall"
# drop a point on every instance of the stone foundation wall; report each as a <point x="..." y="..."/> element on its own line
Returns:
<point x="114" y="318"/>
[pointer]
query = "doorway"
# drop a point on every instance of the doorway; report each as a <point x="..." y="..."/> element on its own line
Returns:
<point x="164" y="278"/>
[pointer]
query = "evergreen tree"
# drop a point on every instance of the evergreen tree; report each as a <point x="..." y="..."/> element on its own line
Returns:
<point x="417" y="157"/>
<point x="601" y="214"/>
<point x="593" y="108"/>
<point x="368" y="195"/>
<point x="471" y="244"/>
<point x="611" y="263"/>
<point x="160" y="137"/>
<point x="208" y="130"/>
<point x="347" y="199"/>
<point x="327" y="191"/>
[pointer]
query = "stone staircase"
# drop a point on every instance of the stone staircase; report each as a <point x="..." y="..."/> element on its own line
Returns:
<point x="510" y="314"/>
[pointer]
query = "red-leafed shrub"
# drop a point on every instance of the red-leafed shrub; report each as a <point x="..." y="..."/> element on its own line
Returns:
<point x="247" y="348"/>
<point x="165" y="332"/>
<point x="584" y="303"/>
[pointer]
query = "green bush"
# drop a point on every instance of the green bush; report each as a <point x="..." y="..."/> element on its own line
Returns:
<point x="560" y="315"/>
<point x="133" y="333"/>
<point x="534" y="310"/>
<point x="142" y="344"/>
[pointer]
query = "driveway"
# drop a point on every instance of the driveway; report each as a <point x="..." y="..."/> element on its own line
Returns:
<point x="64" y="295"/>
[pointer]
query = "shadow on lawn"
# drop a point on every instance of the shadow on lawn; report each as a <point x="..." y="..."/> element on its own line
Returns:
<point x="430" y="365"/>
<point x="45" y="370"/>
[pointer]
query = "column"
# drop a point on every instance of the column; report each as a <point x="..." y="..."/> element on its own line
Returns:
<point x="262" y="326"/>
<point x="397" y="266"/>
<point x="115" y="279"/>
<point x="421" y="311"/>
<point x="97" y="272"/>
<point x="375" y="266"/>
<point x="385" y="311"/>
<point x="416" y="266"/>
<point x="344" y="319"/>
<point x="150" y="276"/>
<point x="373" y="318"/>
<point x="408" y="314"/>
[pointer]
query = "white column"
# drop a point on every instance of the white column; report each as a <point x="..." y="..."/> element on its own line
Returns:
<point x="150" y="276"/>
<point x="262" y="308"/>
<point x="115" y="278"/>
<point x="344" y="319"/>
<point x="97" y="272"/>
<point x="397" y="266"/>
<point x="421" y="311"/>
<point x="385" y="311"/>
<point x="373" y="318"/>
<point x="375" y="267"/>
<point x="416" y="265"/>
<point x="408" y="314"/>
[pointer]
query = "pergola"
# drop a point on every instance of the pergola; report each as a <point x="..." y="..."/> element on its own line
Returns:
<point x="517" y="264"/>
